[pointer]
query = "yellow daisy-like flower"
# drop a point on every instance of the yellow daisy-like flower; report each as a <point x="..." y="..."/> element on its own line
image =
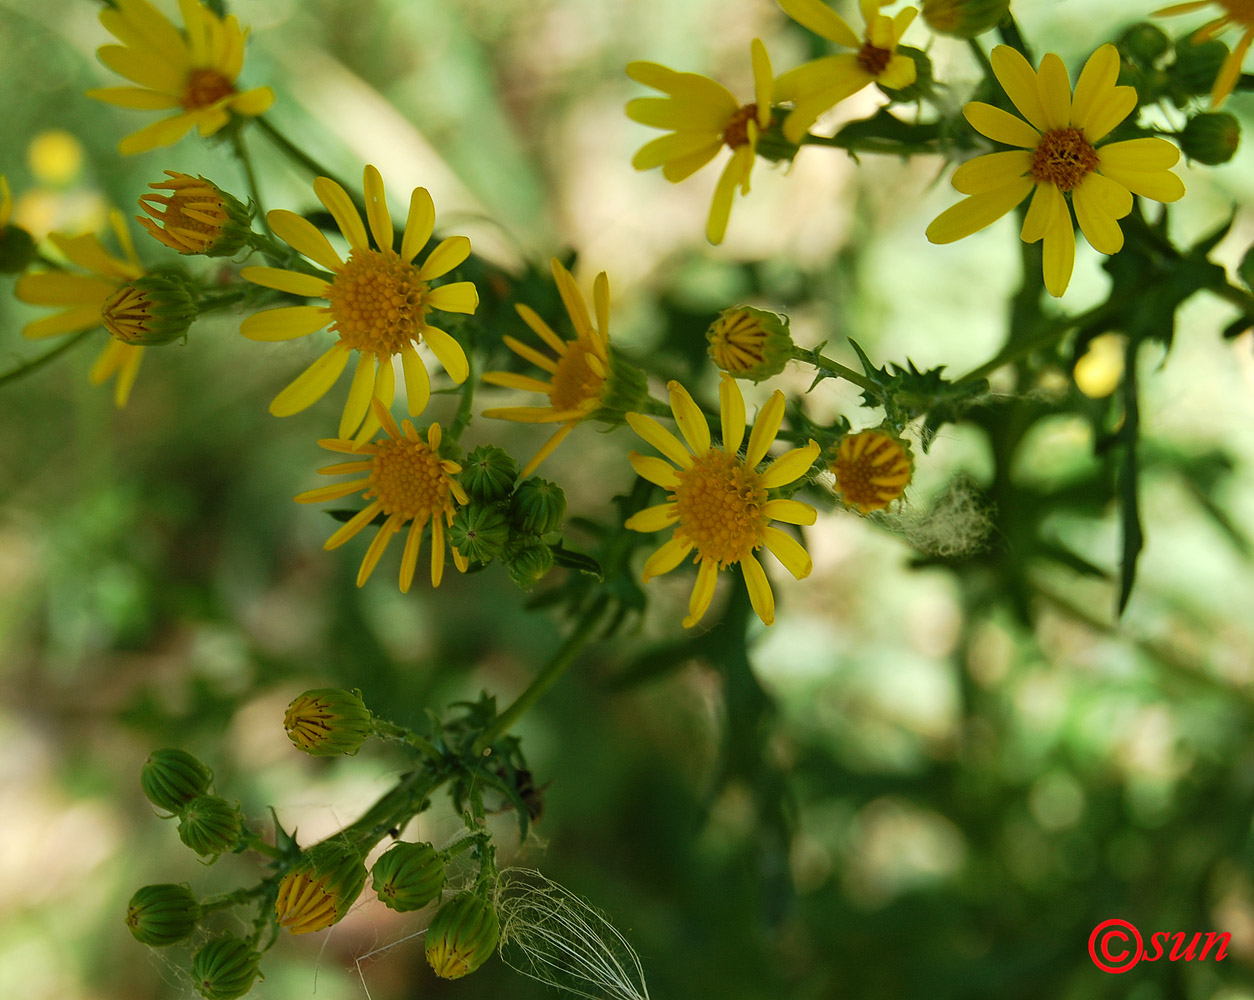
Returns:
<point x="406" y="480"/>
<point x="1058" y="155"/>
<point x="378" y="303"/>
<point x="703" y="116"/>
<point x="193" y="70"/>
<point x="102" y="297"/>
<point x="1238" y="12"/>
<point x="872" y="469"/>
<point x="719" y="505"/>
<point x="819" y="85"/>
<point x="577" y="377"/>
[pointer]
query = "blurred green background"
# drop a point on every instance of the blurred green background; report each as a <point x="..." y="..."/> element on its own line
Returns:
<point x="933" y="776"/>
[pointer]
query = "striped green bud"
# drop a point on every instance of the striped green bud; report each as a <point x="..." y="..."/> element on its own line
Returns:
<point x="210" y="826"/>
<point x="479" y="531"/>
<point x="408" y="876"/>
<point x="1211" y="137"/>
<point x="530" y="564"/>
<point x="538" y="507"/>
<point x="489" y="474"/>
<point x="171" y="778"/>
<point x="327" y="722"/>
<point x="626" y="390"/>
<point x="462" y="935"/>
<point x="163" y="914"/>
<point x="321" y="886"/>
<point x="964" y="18"/>
<point x="152" y="309"/>
<point x="225" y="968"/>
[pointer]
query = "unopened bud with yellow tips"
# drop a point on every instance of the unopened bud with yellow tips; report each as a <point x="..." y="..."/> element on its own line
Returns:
<point x="321" y="887"/>
<point x="751" y="343"/>
<point x="408" y="876"/>
<point x="462" y="935"/>
<point x="164" y="914"/>
<point x="171" y="778"/>
<point x="626" y="390"/>
<point x="152" y="309"/>
<point x="327" y="722"/>
<point x="964" y="18"/>
<point x="225" y="968"/>
<point x="196" y="217"/>
<point x="872" y="468"/>
<point x="210" y="825"/>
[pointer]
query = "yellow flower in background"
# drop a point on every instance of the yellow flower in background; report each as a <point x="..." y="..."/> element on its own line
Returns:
<point x="102" y="297"/>
<point x="407" y="481"/>
<point x="1057" y="156"/>
<point x="719" y="505"/>
<point x="872" y="469"/>
<point x="193" y="71"/>
<point x="1238" y="12"/>
<point x="577" y="376"/>
<point x="819" y="85"/>
<point x="378" y="303"/>
<point x="702" y="117"/>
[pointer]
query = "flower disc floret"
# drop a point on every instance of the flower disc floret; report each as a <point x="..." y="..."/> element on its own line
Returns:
<point x="377" y="302"/>
<point x="718" y="505"/>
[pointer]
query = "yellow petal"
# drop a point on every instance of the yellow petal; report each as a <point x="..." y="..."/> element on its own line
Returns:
<point x="166" y="132"/>
<point x="1147" y="154"/>
<point x="448" y="351"/>
<point x="437" y="552"/>
<point x="690" y="419"/>
<point x="546" y="450"/>
<point x="1109" y="113"/>
<point x="530" y="354"/>
<point x="409" y="560"/>
<point x="285" y="323"/>
<point x="359" y="395"/>
<point x="992" y="170"/>
<point x="685" y="166"/>
<point x="790" y="466"/>
<point x="999" y="125"/>
<point x="788" y="551"/>
<point x="137" y="98"/>
<point x="760" y="595"/>
<point x="380" y="542"/>
<point x="763" y="80"/>
<point x="731" y="408"/>
<point x="654" y="518"/>
<point x="381" y="399"/>
<point x="674" y="146"/>
<point x="1018" y="79"/>
<point x="691" y="88"/>
<point x="448" y="254"/>
<point x="1097" y="80"/>
<point x="1097" y="224"/>
<point x="822" y="20"/>
<point x="974" y="213"/>
<point x="510" y="380"/>
<point x="1110" y="197"/>
<point x="680" y="115"/>
<point x="899" y="73"/>
<point x="764" y="429"/>
<point x="1059" y="257"/>
<point x="351" y="527"/>
<point x="335" y="492"/>
<point x="286" y="281"/>
<point x="1046" y="205"/>
<point x="256" y="101"/>
<point x="303" y="237"/>
<point x="418" y="225"/>
<point x="341" y="207"/>
<point x="73" y="320"/>
<point x="57" y="288"/>
<point x="530" y="414"/>
<point x="377" y="208"/>
<point x="665" y="559"/>
<point x="702" y="592"/>
<point x="572" y="299"/>
<point x="656" y="470"/>
<point x="1226" y="81"/>
<point x="734" y="173"/>
<point x="661" y="439"/>
<point x="789" y="511"/>
<point x="541" y="328"/>
<point x="456" y="297"/>
<point x="312" y="384"/>
<point x="1055" y="91"/>
<point x="1160" y="185"/>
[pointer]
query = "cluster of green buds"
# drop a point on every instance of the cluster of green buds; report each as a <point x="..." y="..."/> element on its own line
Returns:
<point x="747" y="342"/>
<point x="328" y="722"/>
<point x="1161" y="69"/>
<point x="177" y="782"/>
<point x="507" y="519"/>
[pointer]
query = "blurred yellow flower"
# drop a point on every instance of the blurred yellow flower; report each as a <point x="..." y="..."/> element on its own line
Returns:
<point x="378" y="303"/>
<point x="816" y="86"/>
<point x="1058" y="156"/>
<point x="1238" y="12"/>
<point x="577" y="377"/>
<point x="702" y="116"/>
<point x="88" y="301"/>
<point x="193" y="70"/>
<point x="719" y="505"/>
<point x="407" y="481"/>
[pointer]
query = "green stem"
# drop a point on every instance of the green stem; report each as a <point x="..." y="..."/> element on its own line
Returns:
<point x="545" y="679"/>
<point x="241" y="154"/>
<point x="1009" y="31"/>
<point x="838" y="370"/>
<point x="391" y="731"/>
<point x="257" y="843"/>
<point x="394" y="809"/>
<point x="208" y="303"/>
<point x="461" y="420"/>
<point x="295" y="152"/>
<point x="227" y="900"/>
<point x="872" y="144"/>
<point x="1240" y="298"/>
<point x="36" y="363"/>
<point x="982" y="58"/>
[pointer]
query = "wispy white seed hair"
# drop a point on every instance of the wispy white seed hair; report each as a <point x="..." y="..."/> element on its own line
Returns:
<point x="550" y="934"/>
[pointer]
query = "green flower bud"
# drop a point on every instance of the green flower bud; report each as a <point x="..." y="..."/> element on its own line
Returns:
<point x="210" y="825"/>
<point x="196" y="217"/>
<point x="408" y="876"/>
<point x="171" y="778"/>
<point x="225" y="968"/>
<point x="480" y="532"/>
<point x="162" y="914"/>
<point x="529" y="565"/>
<point x="964" y="18"/>
<point x="462" y="936"/>
<point x="923" y="78"/>
<point x="751" y="343"/>
<point x="1211" y="137"/>
<point x="537" y="507"/>
<point x="488" y="474"/>
<point x="17" y="249"/>
<point x="1143" y="43"/>
<point x="1196" y="66"/>
<point x="625" y="391"/>
<point x="327" y="722"/>
<point x="152" y="309"/>
<point x="321" y="886"/>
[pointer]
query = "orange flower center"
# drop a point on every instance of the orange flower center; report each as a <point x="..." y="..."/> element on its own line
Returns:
<point x="303" y="904"/>
<point x="204" y="88"/>
<point x="738" y="342"/>
<point x="408" y="479"/>
<point x="1063" y="158"/>
<point x="191" y="216"/>
<point x="377" y="301"/>
<point x="872" y="470"/>
<point x="873" y="59"/>
<point x="736" y="134"/>
<point x="720" y="507"/>
<point x="126" y="314"/>
<point x="575" y="385"/>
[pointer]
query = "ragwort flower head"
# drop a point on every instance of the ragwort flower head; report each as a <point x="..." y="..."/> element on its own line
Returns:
<point x="703" y="116"/>
<point x="101" y="297"/>
<point x="872" y="469"/>
<point x="585" y="379"/>
<point x="1058" y="156"/>
<point x="819" y="85"/>
<point x="1238" y="12"/>
<point x="719" y="504"/>
<point x="195" y="217"/>
<point x="406" y="480"/>
<point x="193" y="71"/>
<point x="378" y="299"/>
